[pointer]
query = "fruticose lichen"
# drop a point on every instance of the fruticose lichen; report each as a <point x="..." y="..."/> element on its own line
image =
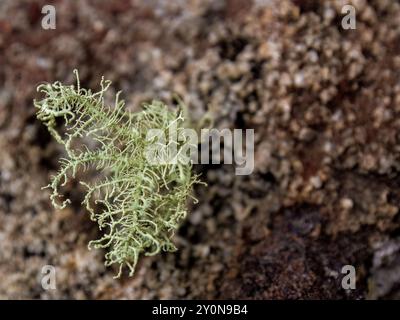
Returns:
<point x="138" y="205"/>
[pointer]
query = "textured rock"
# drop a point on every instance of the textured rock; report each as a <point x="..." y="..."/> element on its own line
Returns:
<point x="324" y="103"/>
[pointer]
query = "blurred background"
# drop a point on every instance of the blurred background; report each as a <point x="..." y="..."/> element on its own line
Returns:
<point x="324" y="103"/>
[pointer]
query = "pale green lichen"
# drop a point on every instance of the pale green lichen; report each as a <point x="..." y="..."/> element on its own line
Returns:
<point x="138" y="205"/>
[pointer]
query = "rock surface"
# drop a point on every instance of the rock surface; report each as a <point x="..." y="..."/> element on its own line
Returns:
<point x="324" y="103"/>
